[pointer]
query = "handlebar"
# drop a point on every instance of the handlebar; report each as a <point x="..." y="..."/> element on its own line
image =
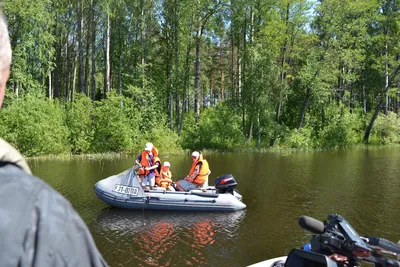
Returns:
<point x="337" y="236"/>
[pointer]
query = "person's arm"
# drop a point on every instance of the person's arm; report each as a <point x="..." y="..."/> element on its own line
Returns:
<point x="155" y="166"/>
<point x="139" y="159"/>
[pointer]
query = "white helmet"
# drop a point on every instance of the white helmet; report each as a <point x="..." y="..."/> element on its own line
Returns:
<point x="195" y="154"/>
<point x="148" y="146"/>
<point x="166" y="164"/>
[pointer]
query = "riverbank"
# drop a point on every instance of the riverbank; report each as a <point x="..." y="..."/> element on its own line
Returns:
<point x="285" y="150"/>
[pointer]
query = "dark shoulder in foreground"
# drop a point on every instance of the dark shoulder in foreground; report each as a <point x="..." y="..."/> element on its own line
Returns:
<point x="39" y="227"/>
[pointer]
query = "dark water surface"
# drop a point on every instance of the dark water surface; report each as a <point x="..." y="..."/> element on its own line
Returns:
<point x="361" y="185"/>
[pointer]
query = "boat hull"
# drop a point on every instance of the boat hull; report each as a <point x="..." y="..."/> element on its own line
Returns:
<point x="269" y="263"/>
<point x="124" y="191"/>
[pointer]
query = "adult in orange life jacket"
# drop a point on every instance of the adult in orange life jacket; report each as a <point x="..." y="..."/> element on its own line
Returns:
<point x="165" y="178"/>
<point x="198" y="175"/>
<point x="148" y="165"/>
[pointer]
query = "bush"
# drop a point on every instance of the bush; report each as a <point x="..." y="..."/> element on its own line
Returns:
<point x="112" y="128"/>
<point x="190" y="138"/>
<point x="79" y="116"/>
<point x="342" y="128"/>
<point x="164" y="139"/>
<point x="35" y="126"/>
<point x="299" y="138"/>
<point x="387" y="128"/>
<point x="218" y="128"/>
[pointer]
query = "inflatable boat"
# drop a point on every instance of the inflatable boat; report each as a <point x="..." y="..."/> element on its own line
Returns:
<point x="124" y="191"/>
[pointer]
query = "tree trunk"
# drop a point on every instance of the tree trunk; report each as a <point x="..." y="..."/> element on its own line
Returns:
<point x="107" y="54"/>
<point x="371" y="123"/>
<point x="233" y="83"/>
<point x="304" y="108"/>
<point x="120" y="50"/>
<point x="185" y="85"/>
<point x="87" y="58"/>
<point x="176" y="48"/>
<point x="386" y="77"/>
<point x="378" y="107"/>
<point x="259" y="131"/>
<point x="212" y="84"/>
<point x="80" y="47"/>
<point x="364" y="96"/>
<point x="67" y="68"/>
<point x="250" y="135"/>
<point x="169" y="83"/>
<point x="142" y="41"/>
<point x="50" y="87"/>
<point x="204" y="96"/>
<point x="397" y="101"/>
<point x="277" y="122"/>
<point x="197" y="77"/>
<point x="284" y="49"/>
<point x="16" y="89"/>
<point x="221" y="68"/>
<point x="242" y="77"/>
<point x="74" y="78"/>
<point x="93" y="86"/>
<point x="201" y="24"/>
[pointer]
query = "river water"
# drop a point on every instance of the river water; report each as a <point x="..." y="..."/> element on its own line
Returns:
<point x="361" y="185"/>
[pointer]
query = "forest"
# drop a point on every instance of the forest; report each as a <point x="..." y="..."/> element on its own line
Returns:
<point x="97" y="76"/>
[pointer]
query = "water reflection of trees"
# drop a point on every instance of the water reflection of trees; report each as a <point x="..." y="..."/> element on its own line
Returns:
<point x="162" y="238"/>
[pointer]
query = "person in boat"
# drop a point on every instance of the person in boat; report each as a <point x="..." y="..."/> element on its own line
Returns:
<point x="198" y="174"/>
<point x="148" y="166"/>
<point x="165" y="178"/>
<point x="157" y="171"/>
<point x="39" y="227"/>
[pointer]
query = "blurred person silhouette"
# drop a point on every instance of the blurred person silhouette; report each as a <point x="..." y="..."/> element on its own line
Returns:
<point x="38" y="226"/>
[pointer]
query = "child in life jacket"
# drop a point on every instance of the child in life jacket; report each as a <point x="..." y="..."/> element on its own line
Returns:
<point x="165" y="179"/>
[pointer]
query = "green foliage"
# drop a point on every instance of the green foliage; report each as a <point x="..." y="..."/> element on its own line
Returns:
<point x="30" y="24"/>
<point x="300" y="138"/>
<point x="164" y="139"/>
<point x="342" y="128"/>
<point x="218" y="128"/>
<point x="149" y="106"/>
<point x="190" y="132"/>
<point x="35" y="126"/>
<point x="79" y="115"/>
<point x="387" y="128"/>
<point x="112" y="128"/>
<point x="290" y="62"/>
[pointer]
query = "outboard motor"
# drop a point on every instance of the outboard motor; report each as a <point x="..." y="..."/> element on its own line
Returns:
<point x="225" y="183"/>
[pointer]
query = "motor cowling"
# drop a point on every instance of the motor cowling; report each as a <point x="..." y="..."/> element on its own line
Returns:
<point x="225" y="183"/>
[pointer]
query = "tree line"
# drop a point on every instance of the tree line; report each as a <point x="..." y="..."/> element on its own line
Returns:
<point x="201" y="74"/>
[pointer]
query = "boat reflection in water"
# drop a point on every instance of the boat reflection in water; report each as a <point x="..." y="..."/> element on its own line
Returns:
<point x="165" y="238"/>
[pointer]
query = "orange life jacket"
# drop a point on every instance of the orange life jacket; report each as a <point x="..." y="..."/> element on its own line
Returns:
<point x="154" y="150"/>
<point x="145" y="162"/>
<point x="164" y="180"/>
<point x="203" y="172"/>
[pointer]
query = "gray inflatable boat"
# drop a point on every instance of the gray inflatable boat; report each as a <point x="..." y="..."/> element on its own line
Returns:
<point x="124" y="191"/>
